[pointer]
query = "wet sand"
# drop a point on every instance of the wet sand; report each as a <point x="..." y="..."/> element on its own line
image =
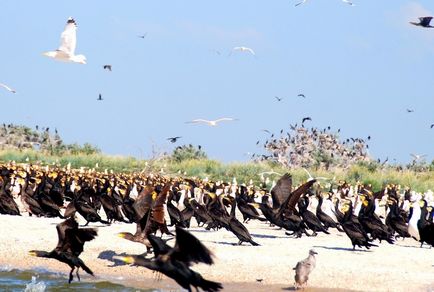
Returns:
<point x="403" y="266"/>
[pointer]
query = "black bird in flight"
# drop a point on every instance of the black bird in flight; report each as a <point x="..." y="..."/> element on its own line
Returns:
<point x="107" y="67"/>
<point x="301" y="95"/>
<point x="306" y="119"/>
<point x="173" y="139"/>
<point x="432" y="126"/>
<point x="410" y="110"/>
<point x="100" y="97"/>
<point x="423" y="21"/>
<point x="142" y="36"/>
<point x="278" y="98"/>
<point x="70" y="245"/>
<point x="175" y="262"/>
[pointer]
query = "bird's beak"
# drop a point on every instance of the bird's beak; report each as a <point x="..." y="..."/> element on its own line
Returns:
<point x="128" y="260"/>
<point x="121" y="235"/>
<point x="32" y="253"/>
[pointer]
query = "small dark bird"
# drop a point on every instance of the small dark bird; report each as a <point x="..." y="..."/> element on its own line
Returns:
<point x="424" y="22"/>
<point x="259" y="280"/>
<point x="301" y="95"/>
<point x="69" y="246"/>
<point x="432" y="126"/>
<point x="278" y="98"/>
<point x="369" y="137"/>
<point x="306" y="119"/>
<point x="100" y="97"/>
<point x="142" y="36"/>
<point x="107" y="67"/>
<point x="410" y="110"/>
<point x="173" y="139"/>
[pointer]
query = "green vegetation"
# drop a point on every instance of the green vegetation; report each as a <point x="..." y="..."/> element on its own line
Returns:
<point x="202" y="167"/>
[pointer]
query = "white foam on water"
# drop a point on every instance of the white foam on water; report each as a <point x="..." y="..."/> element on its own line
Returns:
<point x="6" y="268"/>
<point x="35" y="286"/>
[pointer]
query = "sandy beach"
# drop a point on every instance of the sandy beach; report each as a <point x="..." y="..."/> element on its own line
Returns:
<point x="403" y="266"/>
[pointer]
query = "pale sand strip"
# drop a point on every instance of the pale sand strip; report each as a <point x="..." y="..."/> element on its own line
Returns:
<point x="400" y="267"/>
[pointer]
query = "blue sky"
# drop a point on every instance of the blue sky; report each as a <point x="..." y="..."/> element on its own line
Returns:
<point x="360" y="68"/>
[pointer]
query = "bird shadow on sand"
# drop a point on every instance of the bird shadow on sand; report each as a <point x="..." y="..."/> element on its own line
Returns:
<point x="229" y="243"/>
<point x="109" y="254"/>
<point x="267" y="236"/>
<point x="341" y="248"/>
<point x="292" y="288"/>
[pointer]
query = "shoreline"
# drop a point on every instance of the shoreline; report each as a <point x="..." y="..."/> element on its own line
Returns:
<point x="402" y="266"/>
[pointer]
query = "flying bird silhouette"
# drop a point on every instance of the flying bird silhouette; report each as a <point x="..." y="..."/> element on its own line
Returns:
<point x="278" y="98"/>
<point x="301" y="95"/>
<point x="142" y="36"/>
<point x="174" y="139"/>
<point x="212" y="123"/>
<point x="306" y="119"/>
<point x="107" y="67"/>
<point x="432" y="126"/>
<point x="410" y="110"/>
<point x="68" y="42"/>
<point x="7" y="88"/>
<point x="423" y="21"/>
<point x="99" y="97"/>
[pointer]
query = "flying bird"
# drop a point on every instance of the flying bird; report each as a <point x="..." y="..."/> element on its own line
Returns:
<point x="244" y="50"/>
<point x="301" y="95"/>
<point x="174" y="139"/>
<point x="410" y="110"/>
<point x="107" y="67"/>
<point x="100" y="97"/>
<point x="278" y="98"/>
<point x="212" y="123"/>
<point x="306" y="119"/>
<point x="7" y="88"/>
<point x="266" y="131"/>
<point x="432" y="126"/>
<point x="71" y="240"/>
<point x="142" y="36"/>
<point x="304" y="268"/>
<point x="417" y="157"/>
<point x="424" y="22"/>
<point x="68" y="42"/>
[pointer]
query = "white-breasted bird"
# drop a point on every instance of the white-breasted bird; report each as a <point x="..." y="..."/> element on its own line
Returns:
<point x="68" y="42"/>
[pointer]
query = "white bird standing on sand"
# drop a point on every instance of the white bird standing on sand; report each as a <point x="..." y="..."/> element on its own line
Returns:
<point x="244" y="49"/>
<point x="7" y="88"/>
<point x="303" y="269"/>
<point x="210" y="123"/>
<point x="68" y="42"/>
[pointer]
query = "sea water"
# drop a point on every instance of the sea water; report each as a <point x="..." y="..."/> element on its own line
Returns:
<point x="39" y="281"/>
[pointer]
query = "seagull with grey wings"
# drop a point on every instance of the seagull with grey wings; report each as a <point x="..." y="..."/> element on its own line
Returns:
<point x="211" y="123"/>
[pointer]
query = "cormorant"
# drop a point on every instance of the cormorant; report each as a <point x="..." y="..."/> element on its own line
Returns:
<point x="69" y="246"/>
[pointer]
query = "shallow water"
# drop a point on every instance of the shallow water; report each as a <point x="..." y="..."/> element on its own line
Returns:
<point x="38" y="281"/>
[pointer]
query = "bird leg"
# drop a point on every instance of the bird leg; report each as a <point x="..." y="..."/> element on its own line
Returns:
<point x="71" y="276"/>
<point x="78" y="276"/>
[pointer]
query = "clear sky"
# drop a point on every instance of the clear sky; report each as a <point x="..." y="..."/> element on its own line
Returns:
<point x="360" y="68"/>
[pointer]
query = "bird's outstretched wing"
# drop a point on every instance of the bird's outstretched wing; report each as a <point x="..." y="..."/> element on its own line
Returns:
<point x="424" y="21"/>
<point x="224" y="119"/>
<point x="292" y="200"/>
<point x="198" y="121"/>
<point x="302" y="2"/>
<point x="68" y="38"/>
<point x="189" y="249"/>
<point x="282" y="190"/>
<point x="7" y="88"/>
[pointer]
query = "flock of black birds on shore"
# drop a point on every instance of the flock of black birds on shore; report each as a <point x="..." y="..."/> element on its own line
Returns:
<point x="148" y="200"/>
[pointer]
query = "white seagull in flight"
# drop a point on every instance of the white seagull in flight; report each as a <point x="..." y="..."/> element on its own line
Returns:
<point x="7" y="88"/>
<point x="345" y="1"/>
<point x="244" y="49"/>
<point x="68" y="42"/>
<point x="210" y="123"/>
